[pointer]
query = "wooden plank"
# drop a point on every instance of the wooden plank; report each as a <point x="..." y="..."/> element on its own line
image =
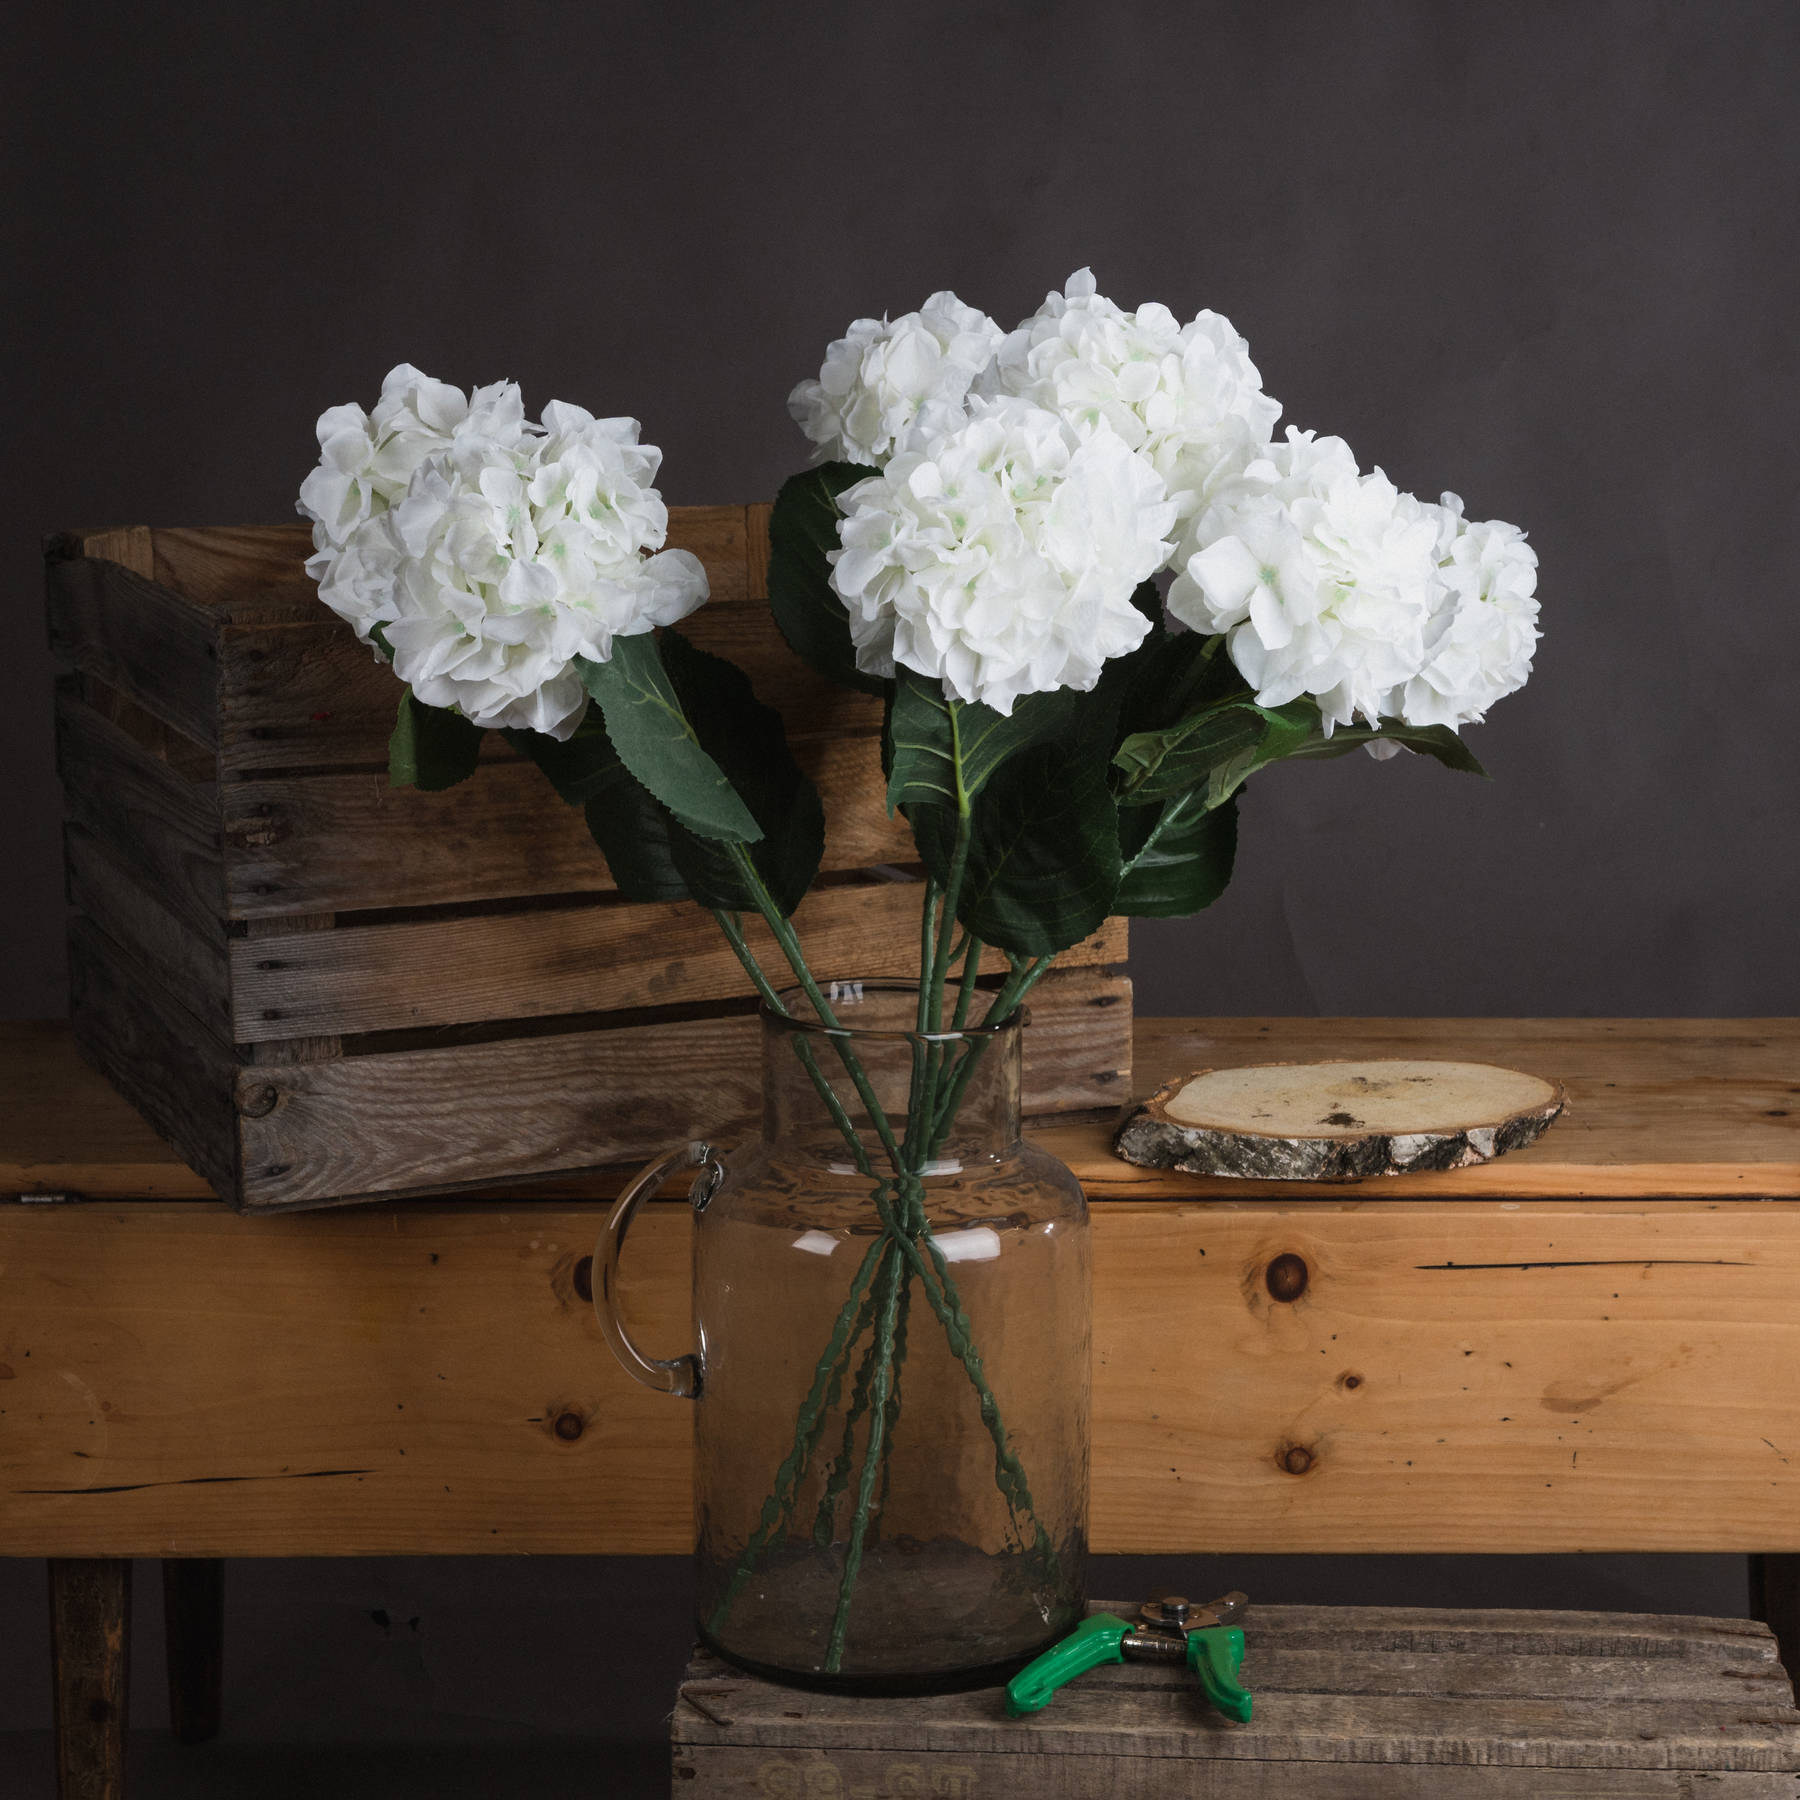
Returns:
<point x="138" y="637"/>
<point x="365" y="1125"/>
<point x="575" y="959"/>
<point x="1091" y="1717"/>
<point x="1657" y="1107"/>
<point x="90" y="1654"/>
<point x="350" y="842"/>
<point x="1619" y="1377"/>
<point x="1684" y="1117"/>
<point x="190" y="961"/>
<point x="732" y="1772"/>
<point x="152" y="818"/>
<point x="163" y="1059"/>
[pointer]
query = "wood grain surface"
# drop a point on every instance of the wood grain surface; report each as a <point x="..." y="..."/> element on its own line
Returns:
<point x="1443" y="1376"/>
<point x="1658" y="1108"/>
<point x="1534" y="1702"/>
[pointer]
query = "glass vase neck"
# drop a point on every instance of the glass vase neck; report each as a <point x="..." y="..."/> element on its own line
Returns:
<point x="864" y="1085"/>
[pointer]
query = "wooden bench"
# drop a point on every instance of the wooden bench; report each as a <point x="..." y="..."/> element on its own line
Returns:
<point x="1351" y="1703"/>
<point x="1592" y="1344"/>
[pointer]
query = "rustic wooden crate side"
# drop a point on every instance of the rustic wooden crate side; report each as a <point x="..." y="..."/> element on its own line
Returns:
<point x="364" y="1125"/>
<point x="156" y="820"/>
<point x="164" y="1059"/>
<point x="602" y="957"/>
<point x="193" y="963"/>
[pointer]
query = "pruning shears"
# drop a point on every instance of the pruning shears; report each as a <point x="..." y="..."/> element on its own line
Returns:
<point x="1206" y="1638"/>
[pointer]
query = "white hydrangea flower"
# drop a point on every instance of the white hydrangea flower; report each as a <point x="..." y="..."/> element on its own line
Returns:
<point x="1187" y="396"/>
<point x="1480" y="638"/>
<point x="511" y="549"/>
<point x="1000" y="558"/>
<point x="367" y="460"/>
<point x="1324" y="580"/>
<point x="883" y="380"/>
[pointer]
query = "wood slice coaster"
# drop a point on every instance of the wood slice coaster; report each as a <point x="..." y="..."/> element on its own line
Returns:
<point x="1337" y="1121"/>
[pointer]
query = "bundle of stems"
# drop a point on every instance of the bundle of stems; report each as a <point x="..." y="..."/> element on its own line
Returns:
<point x="870" y="1330"/>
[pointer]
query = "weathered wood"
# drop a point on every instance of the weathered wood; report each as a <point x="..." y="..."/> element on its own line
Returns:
<point x="149" y="936"/>
<point x="153" y="645"/>
<point x="154" y="820"/>
<point x="194" y="1638"/>
<point x="1714" y="1703"/>
<point x="90" y="1665"/>
<point x="574" y="959"/>
<point x="1338" y="1120"/>
<point x="350" y="842"/>
<point x="165" y="1060"/>
<point x="733" y="1773"/>
<point x="363" y="1125"/>
<point x="1581" y="1376"/>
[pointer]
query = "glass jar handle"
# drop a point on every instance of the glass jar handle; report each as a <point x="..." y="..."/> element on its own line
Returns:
<point x="678" y="1375"/>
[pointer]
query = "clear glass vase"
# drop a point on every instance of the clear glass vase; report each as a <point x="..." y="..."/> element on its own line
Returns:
<point x="891" y="1293"/>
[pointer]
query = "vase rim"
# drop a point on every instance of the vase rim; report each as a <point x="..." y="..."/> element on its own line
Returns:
<point x="854" y="992"/>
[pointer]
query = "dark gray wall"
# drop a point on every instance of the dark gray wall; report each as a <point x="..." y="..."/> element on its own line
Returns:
<point x="1543" y="255"/>
<point x="1540" y="254"/>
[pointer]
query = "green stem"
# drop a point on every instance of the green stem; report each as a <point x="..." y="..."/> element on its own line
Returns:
<point x="827" y="1384"/>
<point x="865" y="1487"/>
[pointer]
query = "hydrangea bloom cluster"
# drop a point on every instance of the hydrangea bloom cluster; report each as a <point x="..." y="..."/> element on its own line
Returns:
<point x="1327" y="582"/>
<point x="1332" y="583"/>
<point x="883" y="381"/>
<point x="489" y="552"/>
<point x="1187" y="397"/>
<point x="1000" y="557"/>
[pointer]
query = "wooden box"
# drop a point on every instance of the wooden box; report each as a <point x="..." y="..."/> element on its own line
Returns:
<point x="320" y="988"/>
<point x="1351" y="1703"/>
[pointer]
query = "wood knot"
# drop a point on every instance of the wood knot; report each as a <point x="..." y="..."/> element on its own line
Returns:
<point x="581" y="1278"/>
<point x="259" y="1102"/>
<point x="1286" y="1278"/>
<point x="568" y="1426"/>
<point x="1294" y="1459"/>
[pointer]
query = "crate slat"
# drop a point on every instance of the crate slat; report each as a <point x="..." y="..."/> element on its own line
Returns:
<point x="411" y="1119"/>
<point x="595" y="958"/>
<point x="343" y="843"/>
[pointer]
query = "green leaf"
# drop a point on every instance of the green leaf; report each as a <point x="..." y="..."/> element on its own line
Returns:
<point x="749" y="742"/>
<point x="1437" y="741"/>
<point x="657" y="741"/>
<point x="803" y="527"/>
<point x="630" y="827"/>
<point x="1043" y="862"/>
<point x="432" y="748"/>
<point x="1217" y="748"/>
<point x="942" y="751"/>
<point x="578" y="765"/>
<point x="1178" y="856"/>
<point x="637" y="836"/>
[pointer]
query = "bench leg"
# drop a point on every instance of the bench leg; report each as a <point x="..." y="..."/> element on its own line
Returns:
<point x="90" y="1655"/>
<point x="194" y="1626"/>
<point x="1775" y="1599"/>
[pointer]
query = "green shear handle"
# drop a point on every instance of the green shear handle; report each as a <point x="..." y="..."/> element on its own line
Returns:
<point x="1215" y="1653"/>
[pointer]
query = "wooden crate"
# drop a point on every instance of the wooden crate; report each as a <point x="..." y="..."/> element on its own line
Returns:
<point x="320" y="988"/>
<point x="1352" y="1703"/>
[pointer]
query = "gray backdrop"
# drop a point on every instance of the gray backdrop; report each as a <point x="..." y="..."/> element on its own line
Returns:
<point x="1540" y="254"/>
